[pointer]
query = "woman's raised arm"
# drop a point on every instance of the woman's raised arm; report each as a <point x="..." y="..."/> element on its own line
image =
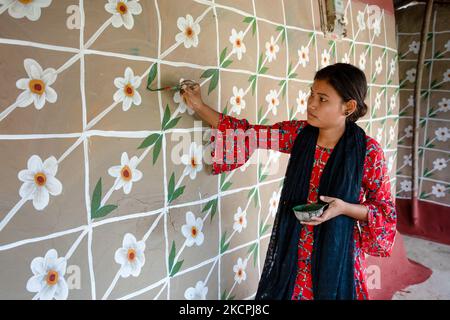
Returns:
<point x="235" y="139"/>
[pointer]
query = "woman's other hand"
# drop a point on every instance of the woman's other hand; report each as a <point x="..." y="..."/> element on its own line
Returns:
<point x="336" y="207"/>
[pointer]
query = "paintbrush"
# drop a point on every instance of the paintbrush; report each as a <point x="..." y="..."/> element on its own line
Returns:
<point x="177" y="87"/>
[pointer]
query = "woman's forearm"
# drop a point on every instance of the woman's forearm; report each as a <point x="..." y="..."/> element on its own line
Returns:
<point x="208" y="114"/>
<point x="356" y="211"/>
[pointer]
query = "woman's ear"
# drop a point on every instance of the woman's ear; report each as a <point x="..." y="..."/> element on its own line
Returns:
<point x="349" y="107"/>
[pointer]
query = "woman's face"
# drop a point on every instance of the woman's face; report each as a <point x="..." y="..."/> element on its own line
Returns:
<point x="326" y="108"/>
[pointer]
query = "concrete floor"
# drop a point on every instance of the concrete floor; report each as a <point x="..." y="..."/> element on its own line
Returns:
<point x="435" y="256"/>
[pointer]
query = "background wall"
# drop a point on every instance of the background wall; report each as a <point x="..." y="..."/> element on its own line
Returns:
<point x="434" y="176"/>
<point x="188" y="235"/>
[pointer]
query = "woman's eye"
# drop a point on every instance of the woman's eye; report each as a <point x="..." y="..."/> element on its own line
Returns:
<point x="322" y="100"/>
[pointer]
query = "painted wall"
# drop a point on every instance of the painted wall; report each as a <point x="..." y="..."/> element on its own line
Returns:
<point x="92" y="164"/>
<point x="434" y="129"/>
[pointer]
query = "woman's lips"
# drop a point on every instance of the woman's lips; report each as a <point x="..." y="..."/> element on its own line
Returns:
<point x="311" y="115"/>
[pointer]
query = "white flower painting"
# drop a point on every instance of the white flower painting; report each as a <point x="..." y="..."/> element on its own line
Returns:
<point x="237" y="100"/>
<point x="302" y="101"/>
<point x="272" y="49"/>
<point x="303" y="55"/>
<point x="122" y="12"/>
<point x="127" y="89"/>
<point x="125" y="173"/>
<point x="239" y="270"/>
<point x="189" y="31"/>
<point x="198" y="292"/>
<point x="193" y="160"/>
<point x="39" y="181"/>
<point x="37" y="86"/>
<point x="237" y="40"/>
<point x="273" y="102"/>
<point x="48" y="277"/>
<point x="240" y="220"/>
<point x="361" y="21"/>
<point x="182" y="106"/>
<point x="192" y="230"/>
<point x="362" y="61"/>
<point x="324" y="58"/>
<point x="130" y="256"/>
<point x="273" y="203"/>
<point x="30" y="9"/>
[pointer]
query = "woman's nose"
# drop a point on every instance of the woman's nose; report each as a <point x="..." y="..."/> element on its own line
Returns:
<point x="311" y="106"/>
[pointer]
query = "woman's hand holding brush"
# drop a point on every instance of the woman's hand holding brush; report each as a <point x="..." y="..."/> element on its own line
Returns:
<point x="192" y="96"/>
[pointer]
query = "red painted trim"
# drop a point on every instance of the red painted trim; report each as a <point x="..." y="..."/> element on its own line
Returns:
<point x="387" y="5"/>
<point x="433" y="220"/>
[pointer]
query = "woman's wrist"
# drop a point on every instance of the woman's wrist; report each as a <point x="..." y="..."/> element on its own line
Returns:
<point x="356" y="211"/>
<point x="208" y="114"/>
<point x="201" y="106"/>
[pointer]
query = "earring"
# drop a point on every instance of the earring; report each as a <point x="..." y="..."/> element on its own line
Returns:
<point x="346" y="113"/>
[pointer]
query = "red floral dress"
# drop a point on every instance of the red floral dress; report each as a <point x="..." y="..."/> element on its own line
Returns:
<point x="374" y="237"/>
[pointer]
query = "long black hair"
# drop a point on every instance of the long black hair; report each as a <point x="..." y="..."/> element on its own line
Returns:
<point x="349" y="82"/>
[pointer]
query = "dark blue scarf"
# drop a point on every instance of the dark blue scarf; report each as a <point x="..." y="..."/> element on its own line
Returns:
<point x="332" y="261"/>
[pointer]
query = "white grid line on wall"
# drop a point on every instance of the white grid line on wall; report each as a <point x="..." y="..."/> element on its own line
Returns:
<point x="88" y="133"/>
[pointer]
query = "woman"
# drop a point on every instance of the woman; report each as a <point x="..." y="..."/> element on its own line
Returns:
<point x="331" y="156"/>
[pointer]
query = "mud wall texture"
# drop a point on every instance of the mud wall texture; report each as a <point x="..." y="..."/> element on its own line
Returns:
<point x="104" y="193"/>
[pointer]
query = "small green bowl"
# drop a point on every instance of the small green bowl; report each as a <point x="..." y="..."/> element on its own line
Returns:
<point x="305" y="212"/>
